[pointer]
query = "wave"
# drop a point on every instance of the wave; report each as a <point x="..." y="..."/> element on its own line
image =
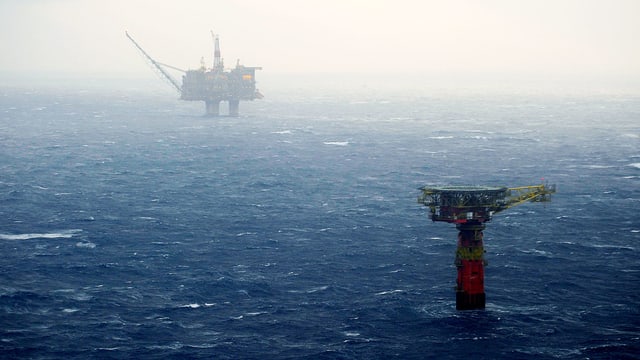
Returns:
<point x="337" y="143"/>
<point x="389" y="292"/>
<point x="196" y="305"/>
<point x="64" y="234"/>
<point x="86" y="245"/>
<point x="311" y="290"/>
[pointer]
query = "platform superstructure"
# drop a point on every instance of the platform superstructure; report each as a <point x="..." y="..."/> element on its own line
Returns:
<point x="211" y="85"/>
<point x="470" y="207"/>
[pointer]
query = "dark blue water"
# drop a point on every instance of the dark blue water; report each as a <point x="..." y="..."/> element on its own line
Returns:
<point x="133" y="227"/>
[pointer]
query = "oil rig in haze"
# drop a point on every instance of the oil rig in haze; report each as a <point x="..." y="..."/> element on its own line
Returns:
<point x="211" y="85"/>
<point x="470" y="207"/>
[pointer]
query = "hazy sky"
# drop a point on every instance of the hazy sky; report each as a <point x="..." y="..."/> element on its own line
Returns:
<point x="531" y="37"/>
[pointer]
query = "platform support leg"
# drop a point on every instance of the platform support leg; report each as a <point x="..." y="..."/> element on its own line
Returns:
<point x="234" y="108"/>
<point x="470" y="263"/>
<point x="212" y="107"/>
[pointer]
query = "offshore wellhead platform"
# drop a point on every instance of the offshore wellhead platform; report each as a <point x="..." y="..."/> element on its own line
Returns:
<point x="470" y="207"/>
<point x="211" y="85"/>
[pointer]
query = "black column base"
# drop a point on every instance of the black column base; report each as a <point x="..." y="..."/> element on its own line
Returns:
<point x="465" y="301"/>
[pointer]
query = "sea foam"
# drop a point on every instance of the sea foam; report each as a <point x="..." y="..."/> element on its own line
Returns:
<point x="64" y="234"/>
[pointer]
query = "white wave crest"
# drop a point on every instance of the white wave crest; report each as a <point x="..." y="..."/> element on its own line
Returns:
<point x="390" y="292"/>
<point x="595" y="166"/>
<point x="191" y="306"/>
<point x="311" y="290"/>
<point x="337" y="143"/>
<point x="196" y="305"/>
<point x="86" y="245"/>
<point x="64" y="234"/>
<point x="635" y="165"/>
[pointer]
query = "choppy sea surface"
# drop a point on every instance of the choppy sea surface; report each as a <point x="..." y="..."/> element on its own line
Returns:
<point x="133" y="227"/>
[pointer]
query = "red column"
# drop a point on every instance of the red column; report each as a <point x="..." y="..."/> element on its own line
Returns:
<point x="470" y="262"/>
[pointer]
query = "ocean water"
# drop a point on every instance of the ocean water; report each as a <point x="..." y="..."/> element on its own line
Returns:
<point x="133" y="227"/>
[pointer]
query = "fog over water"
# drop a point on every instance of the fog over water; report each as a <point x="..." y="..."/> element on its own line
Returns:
<point x="546" y="44"/>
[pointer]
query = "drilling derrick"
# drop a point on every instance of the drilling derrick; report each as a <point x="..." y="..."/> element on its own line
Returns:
<point x="212" y="85"/>
<point x="470" y="207"/>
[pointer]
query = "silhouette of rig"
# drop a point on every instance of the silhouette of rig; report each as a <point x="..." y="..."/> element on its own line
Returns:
<point x="211" y="85"/>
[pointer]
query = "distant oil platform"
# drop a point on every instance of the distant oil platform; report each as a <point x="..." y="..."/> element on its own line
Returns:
<point x="470" y="207"/>
<point x="211" y="85"/>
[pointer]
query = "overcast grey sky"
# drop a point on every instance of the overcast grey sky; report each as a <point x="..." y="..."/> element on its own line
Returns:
<point x="530" y="37"/>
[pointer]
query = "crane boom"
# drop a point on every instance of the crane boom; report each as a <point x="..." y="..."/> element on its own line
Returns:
<point x="156" y="65"/>
<point x="534" y="193"/>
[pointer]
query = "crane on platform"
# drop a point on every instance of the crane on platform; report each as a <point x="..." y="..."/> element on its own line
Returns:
<point x="157" y="66"/>
<point x="470" y="207"/>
